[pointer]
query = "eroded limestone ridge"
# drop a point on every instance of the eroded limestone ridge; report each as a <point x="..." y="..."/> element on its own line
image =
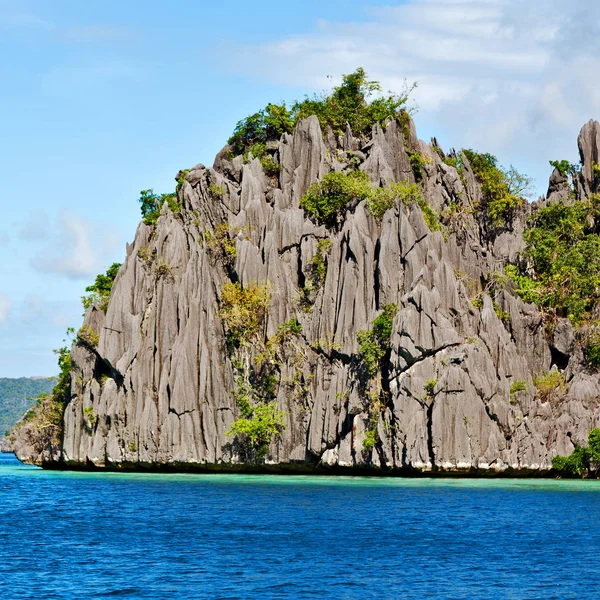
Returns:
<point x="179" y="377"/>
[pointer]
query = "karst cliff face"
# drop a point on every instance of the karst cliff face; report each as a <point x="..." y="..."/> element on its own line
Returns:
<point x="161" y="387"/>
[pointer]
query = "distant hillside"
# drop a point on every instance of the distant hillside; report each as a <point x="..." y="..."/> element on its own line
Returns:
<point x="16" y="395"/>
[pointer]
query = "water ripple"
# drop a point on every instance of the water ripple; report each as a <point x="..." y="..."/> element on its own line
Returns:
<point x="93" y="535"/>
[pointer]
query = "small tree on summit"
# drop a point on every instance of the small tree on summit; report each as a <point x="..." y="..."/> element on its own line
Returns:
<point x="352" y="103"/>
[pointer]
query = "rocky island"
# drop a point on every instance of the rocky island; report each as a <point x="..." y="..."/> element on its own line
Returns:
<point x="335" y="295"/>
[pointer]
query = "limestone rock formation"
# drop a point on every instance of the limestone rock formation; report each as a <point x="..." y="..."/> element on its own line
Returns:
<point x="456" y="392"/>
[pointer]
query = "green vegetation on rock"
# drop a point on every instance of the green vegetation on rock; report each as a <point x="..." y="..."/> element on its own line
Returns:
<point x="99" y="291"/>
<point x="151" y="205"/>
<point x="374" y="343"/>
<point x="17" y="396"/>
<point x="564" y="167"/>
<point x="357" y="101"/>
<point x="563" y="245"/>
<point x="549" y="385"/>
<point x="257" y="427"/>
<point x="502" y="190"/>
<point x="583" y="461"/>
<point x="87" y="336"/>
<point x="44" y="420"/>
<point x="592" y="350"/>
<point x="326" y="200"/>
<point x="243" y="310"/>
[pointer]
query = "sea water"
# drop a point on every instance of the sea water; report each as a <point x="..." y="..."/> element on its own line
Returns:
<point x="108" y="535"/>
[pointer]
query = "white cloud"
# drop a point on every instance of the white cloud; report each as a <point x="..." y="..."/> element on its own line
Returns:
<point x="517" y="79"/>
<point x="76" y="250"/>
<point x="5" y="307"/>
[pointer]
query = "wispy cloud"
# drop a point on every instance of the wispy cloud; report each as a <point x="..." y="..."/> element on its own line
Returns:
<point x="502" y="75"/>
<point x="76" y="249"/>
<point x="4" y="238"/>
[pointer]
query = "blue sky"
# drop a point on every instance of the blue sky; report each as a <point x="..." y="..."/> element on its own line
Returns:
<point x="101" y="99"/>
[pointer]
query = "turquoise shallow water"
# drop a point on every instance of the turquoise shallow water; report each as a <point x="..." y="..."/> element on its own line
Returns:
<point x="94" y="535"/>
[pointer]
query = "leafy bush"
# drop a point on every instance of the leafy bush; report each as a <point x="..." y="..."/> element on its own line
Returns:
<point x="548" y="384"/>
<point x="90" y="414"/>
<point x="564" y="167"/>
<point x="258" y="428"/>
<point x="518" y="386"/>
<point x="379" y="200"/>
<point x="88" y="336"/>
<point x="317" y="271"/>
<point x="501" y="190"/>
<point x="145" y="254"/>
<point x="318" y="264"/>
<point x="416" y="164"/>
<point x="575" y="464"/>
<point x="430" y="387"/>
<point x="325" y="199"/>
<point x="243" y="310"/>
<point x="371" y="439"/>
<point x="592" y="350"/>
<point x="376" y="406"/>
<point x="99" y="291"/>
<point x="259" y="150"/>
<point x="269" y="123"/>
<point x="352" y="102"/>
<point x="151" y="204"/>
<point x="218" y="191"/>
<point x="220" y="243"/>
<point x="515" y="388"/>
<point x="583" y="460"/>
<point x="289" y="329"/>
<point x="374" y="344"/>
<point x="431" y="219"/>
<point x="181" y="179"/>
<point x="349" y="104"/>
<point x="563" y="245"/>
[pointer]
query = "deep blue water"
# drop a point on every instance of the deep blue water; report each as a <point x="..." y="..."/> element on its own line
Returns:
<point x="92" y="535"/>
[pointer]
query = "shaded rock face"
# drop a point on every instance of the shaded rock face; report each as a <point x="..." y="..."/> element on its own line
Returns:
<point x="158" y="390"/>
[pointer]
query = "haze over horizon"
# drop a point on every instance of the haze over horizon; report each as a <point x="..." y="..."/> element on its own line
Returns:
<point x="102" y="101"/>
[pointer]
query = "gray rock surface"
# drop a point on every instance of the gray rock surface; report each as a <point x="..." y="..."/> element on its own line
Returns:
<point x="157" y="391"/>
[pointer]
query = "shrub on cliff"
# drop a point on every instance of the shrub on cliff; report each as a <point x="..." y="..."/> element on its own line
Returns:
<point x="257" y="427"/>
<point x="502" y="189"/>
<point x="357" y="101"/>
<point x="583" y="460"/>
<point x="243" y="310"/>
<point x="269" y="123"/>
<point x="99" y="291"/>
<point x="349" y="103"/>
<point x="326" y="199"/>
<point x="374" y="343"/>
<point x="151" y="205"/>
<point x="563" y="245"/>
